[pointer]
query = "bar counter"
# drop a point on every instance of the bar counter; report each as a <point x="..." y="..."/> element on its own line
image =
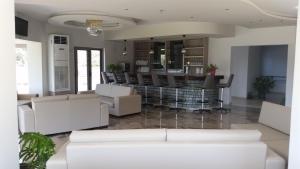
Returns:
<point x="187" y="97"/>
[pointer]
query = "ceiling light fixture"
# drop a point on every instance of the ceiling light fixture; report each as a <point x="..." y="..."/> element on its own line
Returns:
<point x="183" y="50"/>
<point x="94" y="27"/>
<point x="151" y="52"/>
<point x="125" y="48"/>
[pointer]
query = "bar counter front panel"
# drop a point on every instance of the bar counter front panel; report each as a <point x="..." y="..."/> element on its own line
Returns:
<point x="186" y="97"/>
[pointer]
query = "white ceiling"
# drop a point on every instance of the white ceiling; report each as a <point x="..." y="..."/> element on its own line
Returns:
<point x="233" y="12"/>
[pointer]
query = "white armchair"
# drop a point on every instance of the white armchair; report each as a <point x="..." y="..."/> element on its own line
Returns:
<point x="120" y="99"/>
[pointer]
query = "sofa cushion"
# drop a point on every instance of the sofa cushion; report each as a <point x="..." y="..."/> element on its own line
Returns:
<point x="119" y="135"/>
<point x="164" y="155"/>
<point x="82" y="96"/>
<point x="276" y="116"/>
<point x="59" y="159"/>
<point x="49" y="98"/>
<point x="113" y="90"/>
<point x="190" y="135"/>
<point x="267" y="132"/>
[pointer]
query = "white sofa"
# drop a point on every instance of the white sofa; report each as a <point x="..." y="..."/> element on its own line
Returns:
<point x="274" y="124"/>
<point x="120" y="99"/>
<point x="165" y="149"/>
<point x="56" y="114"/>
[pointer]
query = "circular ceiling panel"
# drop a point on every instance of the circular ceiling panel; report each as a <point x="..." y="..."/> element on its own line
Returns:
<point x="78" y="21"/>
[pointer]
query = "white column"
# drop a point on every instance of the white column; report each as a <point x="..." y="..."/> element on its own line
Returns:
<point x="294" y="153"/>
<point x="8" y="110"/>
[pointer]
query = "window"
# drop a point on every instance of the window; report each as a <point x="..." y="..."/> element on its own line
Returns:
<point x="22" y="69"/>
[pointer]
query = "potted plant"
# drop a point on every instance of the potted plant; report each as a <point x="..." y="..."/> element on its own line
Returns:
<point x="263" y="85"/>
<point x="35" y="150"/>
<point x="111" y="68"/>
<point x="211" y="69"/>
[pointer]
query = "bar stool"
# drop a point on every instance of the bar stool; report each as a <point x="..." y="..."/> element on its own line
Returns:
<point x="156" y="83"/>
<point x="172" y="84"/>
<point x="222" y="86"/>
<point x="209" y="84"/>
<point x="128" y="79"/>
<point x="141" y="82"/>
<point x="104" y="78"/>
<point x="116" y="78"/>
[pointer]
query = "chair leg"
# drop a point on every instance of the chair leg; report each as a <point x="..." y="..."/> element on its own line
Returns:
<point x="203" y="109"/>
<point x="221" y="101"/>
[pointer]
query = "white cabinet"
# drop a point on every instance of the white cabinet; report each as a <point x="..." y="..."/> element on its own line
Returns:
<point x="59" y="65"/>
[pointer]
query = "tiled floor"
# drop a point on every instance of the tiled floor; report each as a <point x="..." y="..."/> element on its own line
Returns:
<point x="165" y="118"/>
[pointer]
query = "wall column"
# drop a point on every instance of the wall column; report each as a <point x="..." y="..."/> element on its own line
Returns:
<point x="294" y="153"/>
<point x="8" y="103"/>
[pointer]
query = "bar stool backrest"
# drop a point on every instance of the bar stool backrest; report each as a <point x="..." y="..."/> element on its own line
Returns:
<point x="171" y="81"/>
<point x="228" y="84"/>
<point x="114" y="76"/>
<point x="140" y="79"/>
<point x="104" y="77"/>
<point x="209" y="82"/>
<point x="155" y="80"/>
<point x="127" y="78"/>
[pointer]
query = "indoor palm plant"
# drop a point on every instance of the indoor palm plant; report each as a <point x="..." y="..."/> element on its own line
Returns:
<point x="35" y="150"/>
<point x="263" y="85"/>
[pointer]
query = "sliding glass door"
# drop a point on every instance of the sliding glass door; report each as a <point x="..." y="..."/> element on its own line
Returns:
<point x="88" y="65"/>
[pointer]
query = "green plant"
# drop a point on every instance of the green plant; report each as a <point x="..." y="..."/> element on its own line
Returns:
<point x="114" y="68"/>
<point x="118" y="68"/>
<point x="36" y="149"/>
<point x="111" y="67"/>
<point x="211" y="68"/>
<point x="263" y="85"/>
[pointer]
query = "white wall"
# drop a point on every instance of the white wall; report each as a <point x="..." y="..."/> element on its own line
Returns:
<point x="294" y="148"/>
<point x="39" y="31"/>
<point x="8" y="99"/>
<point x="220" y="49"/>
<point x="254" y="66"/>
<point x="239" y="67"/>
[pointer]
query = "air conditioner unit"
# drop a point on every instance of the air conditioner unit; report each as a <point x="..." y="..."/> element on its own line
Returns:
<point x="58" y="64"/>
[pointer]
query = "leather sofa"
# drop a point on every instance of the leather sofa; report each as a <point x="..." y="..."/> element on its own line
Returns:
<point x="121" y="99"/>
<point x="165" y="149"/>
<point x="57" y="114"/>
<point x="274" y="124"/>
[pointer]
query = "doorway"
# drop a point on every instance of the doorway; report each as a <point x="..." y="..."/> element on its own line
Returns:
<point x="88" y="67"/>
<point x="260" y="74"/>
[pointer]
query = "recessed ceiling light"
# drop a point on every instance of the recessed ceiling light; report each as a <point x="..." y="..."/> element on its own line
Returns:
<point x="296" y="7"/>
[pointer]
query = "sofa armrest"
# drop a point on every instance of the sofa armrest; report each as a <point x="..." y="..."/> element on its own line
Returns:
<point x="26" y="119"/>
<point x="104" y="114"/>
<point x="128" y="104"/>
<point x="274" y="161"/>
<point x="59" y="159"/>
